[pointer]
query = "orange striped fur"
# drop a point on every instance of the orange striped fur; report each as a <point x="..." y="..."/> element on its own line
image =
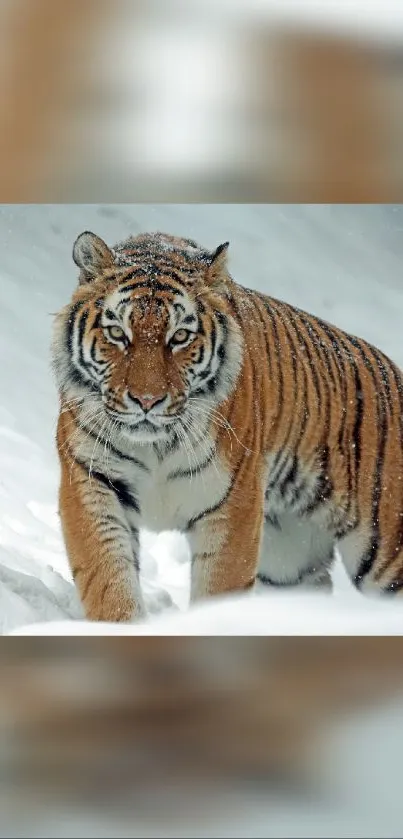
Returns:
<point x="190" y="402"/>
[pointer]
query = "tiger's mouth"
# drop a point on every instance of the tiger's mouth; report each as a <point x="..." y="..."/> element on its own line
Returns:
<point x="148" y="425"/>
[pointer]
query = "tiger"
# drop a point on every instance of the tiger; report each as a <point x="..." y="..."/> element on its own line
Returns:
<point x="188" y="402"/>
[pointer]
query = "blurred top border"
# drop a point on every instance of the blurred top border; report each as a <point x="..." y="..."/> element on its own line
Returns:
<point x="224" y="101"/>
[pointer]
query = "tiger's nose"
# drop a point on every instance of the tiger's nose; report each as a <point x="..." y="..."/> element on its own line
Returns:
<point x="148" y="401"/>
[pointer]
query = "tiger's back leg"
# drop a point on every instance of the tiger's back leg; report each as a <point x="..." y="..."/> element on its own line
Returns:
<point x="374" y="566"/>
<point x="295" y="552"/>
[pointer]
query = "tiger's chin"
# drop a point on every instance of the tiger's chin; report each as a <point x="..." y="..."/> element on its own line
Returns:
<point x="144" y="433"/>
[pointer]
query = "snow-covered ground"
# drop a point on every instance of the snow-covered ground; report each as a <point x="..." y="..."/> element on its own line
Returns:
<point x="341" y="262"/>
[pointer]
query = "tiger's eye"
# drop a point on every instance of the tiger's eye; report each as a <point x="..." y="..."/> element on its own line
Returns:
<point x="180" y="336"/>
<point x="116" y="332"/>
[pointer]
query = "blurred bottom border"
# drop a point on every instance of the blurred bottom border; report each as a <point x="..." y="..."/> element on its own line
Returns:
<point x="200" y="736"/>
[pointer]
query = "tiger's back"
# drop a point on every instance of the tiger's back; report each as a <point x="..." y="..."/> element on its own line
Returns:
<point x="332" y="412"/>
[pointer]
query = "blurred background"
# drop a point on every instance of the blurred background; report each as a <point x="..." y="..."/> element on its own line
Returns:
<point x="231" y="737"/>
<point x="213" y="100"/>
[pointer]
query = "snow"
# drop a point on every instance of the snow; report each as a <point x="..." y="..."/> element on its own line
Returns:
<point x="340" y="262"/>
<point x="262" y="614"/>
<point x="365" y="18"/>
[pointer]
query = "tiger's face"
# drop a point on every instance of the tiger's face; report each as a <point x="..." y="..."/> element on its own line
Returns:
<point x="147" y="339"/>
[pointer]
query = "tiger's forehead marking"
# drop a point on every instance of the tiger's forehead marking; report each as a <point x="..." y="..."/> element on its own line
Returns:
<point x="149" y="313"/>
<point x="159" y="253"/>
<point x="161" y="247"/>
<point x="155" y="281"/>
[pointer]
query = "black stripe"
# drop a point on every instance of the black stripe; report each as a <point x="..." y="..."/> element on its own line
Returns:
<point x="384" y="370"/>
<point x="187" y="473"/>
<point x="320" y="564"/>
<point x="299" y="490"/>
<point x="272" y="520"/>
<point x="89" y="580"/>
<point x="200" y="358"/>
<point x="398" y="381"/>
<point x="172" y="274"/>
<point x="71" y="323"/>
<point x="268" y="581"/>
<point x="305" y="346"/>
<point x="321" y="347"/>
<point x="122" y="490"/>
<point x="97" y="362"/>
<point x="338" y="358"/>
<point x="138" y="272"/>
<point x="276" y="459"/>
<point x="204" y="555"/>
<point x="323" y="488"/>
<point x="280" y="375"/>
<point x="212" y="383"/>
<point x="178" y="308"/>
<point x="237" y="312"/>
<point x="76" y="378"/>
<point x="393" y="587"/>
<point x="210" y="378"/>
<point x="222" y="348"/>
<point x="84" y="368"/>
<point x="213" y="340"/>
<point x="203" y="376"/>
<point x="134" y="532"/>
<point x="256" y="300"/>
<point x="222" y="320"/>
<point x="293" y="349"/>
<point x="290" y="476"/>
<point x="327" y="377"/>
<point x="286" y="322"/>
<point x="92" y="348"/>
<point x="152" y="284"/>
<point x="281" y="461"/>
<point x="356" y="434"/>
<point x="200" y="328"/>
<point x="208" y="510"/>
<point x="81" y="332"/>
<point x="343" y="437"/>
<point x="162" y="450"/>
<point x="369" y="558"/>
<point x="116" y="452"/>
<point x="338" y="344"/>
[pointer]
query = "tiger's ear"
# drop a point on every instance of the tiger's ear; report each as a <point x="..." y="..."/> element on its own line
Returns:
<point x="216" y="274"/>
<point x="91" y="255"/>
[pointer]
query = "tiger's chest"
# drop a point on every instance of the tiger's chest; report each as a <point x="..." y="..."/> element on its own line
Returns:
<point x="171" y="489"/>
<point x="178" y="489"/>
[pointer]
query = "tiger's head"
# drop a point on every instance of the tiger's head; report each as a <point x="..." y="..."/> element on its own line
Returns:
<point x="147" y="340"/>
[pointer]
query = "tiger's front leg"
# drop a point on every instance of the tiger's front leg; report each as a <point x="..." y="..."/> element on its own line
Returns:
<point x="102" y="549"/>
<point x="225" y="545"/>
